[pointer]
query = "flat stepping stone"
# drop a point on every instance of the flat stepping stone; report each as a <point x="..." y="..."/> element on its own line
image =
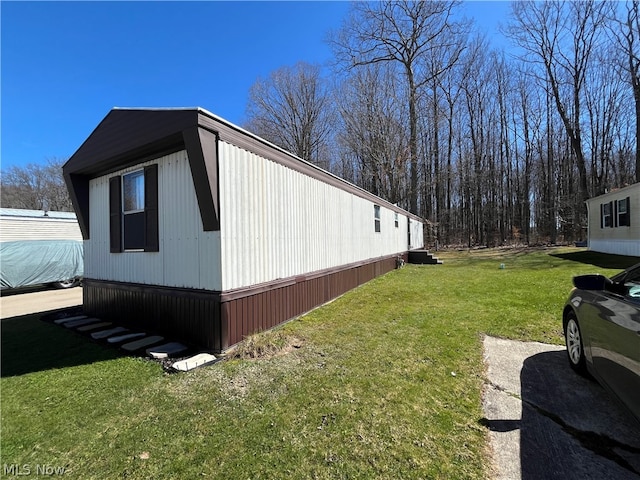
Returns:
<point x="145" y="342"/>
<point x="80" y="322"/>
<point x="193" y="362"/>
<point x="93" y="326"/>
<point x="60" y="321"/>
<point x="108" y="333"/>
<point x="127" y="336"/>
<point x="166" y="350"/>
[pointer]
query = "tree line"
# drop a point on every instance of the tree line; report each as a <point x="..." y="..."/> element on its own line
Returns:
<point x="489" y="147"/>
<point x="36" y="187"/>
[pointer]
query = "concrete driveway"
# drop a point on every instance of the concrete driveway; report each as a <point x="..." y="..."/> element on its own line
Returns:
<point x="545" y="421"/>
<point x="36" y="300"/>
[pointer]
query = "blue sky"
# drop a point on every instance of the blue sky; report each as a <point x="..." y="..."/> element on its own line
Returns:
<point x="66" y="64"/>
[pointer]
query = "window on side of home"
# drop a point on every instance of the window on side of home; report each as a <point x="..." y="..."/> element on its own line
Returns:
<point x="376" y="218"/>
<point x="395" y="218"/>
<point x="606" y="219"/>
<point x="133" y="211"/>
<point x="624" y="219"/>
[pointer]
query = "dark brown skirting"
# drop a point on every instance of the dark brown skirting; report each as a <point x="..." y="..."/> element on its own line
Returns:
<point x="218" y="320"/>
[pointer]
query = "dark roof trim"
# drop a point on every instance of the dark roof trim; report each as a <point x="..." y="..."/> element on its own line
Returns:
<point x="127" y="137"/>
<point x="202" y="149"/>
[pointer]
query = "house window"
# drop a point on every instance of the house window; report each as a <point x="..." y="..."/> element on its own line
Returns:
<point x="133" y="192"/>
<point x="376" y="218"/>
<point x="624" y="220"/>
<point x="606" y="219"/>
<point x="133" y="211"/>
<point x="395" y="217"/>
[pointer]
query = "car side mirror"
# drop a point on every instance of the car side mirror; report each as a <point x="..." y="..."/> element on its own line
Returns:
<point x="591" y="282"/>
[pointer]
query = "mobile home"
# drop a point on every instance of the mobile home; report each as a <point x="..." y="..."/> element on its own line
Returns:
<point x="18" y="224"/>
<point x="614" y="221"/>
<point x="196" y="228"/>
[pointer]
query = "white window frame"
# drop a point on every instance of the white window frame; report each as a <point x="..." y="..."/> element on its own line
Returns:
<point x="376" y="219"/>
<point x="607" y="215"/>
<point x="139" y="173"/>
<point x="622" y="202"/>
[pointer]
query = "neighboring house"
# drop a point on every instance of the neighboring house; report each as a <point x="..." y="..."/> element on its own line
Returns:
<point x="614" y="221"/>
<point x="20" y="224"/>
<point x="196" y="228"/>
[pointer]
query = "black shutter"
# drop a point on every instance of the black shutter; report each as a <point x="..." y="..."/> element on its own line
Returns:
<point x="628" y="223"/>
<point x="115" y="214"/>
<point x="602" y="215"/>
<point x="151" y="234"/>
<point x="613" y="208"/>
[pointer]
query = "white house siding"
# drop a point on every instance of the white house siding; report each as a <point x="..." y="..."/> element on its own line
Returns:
<point x="188" y="256"/>
<point x="278" y="223"/>
<point x="417" y="234"/>
<point x="620" y="240"/>
<point x="33" y="225"/>
<point x="618" y="247"/>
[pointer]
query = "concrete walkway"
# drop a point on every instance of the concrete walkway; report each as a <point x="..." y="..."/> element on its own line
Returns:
<point x="29" y="301"/>
<point x="546" y="421"/>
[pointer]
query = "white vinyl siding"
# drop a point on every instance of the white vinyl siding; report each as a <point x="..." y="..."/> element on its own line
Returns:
<point x="188" y="256"/>
<point x="42" y="228"/>
<point x="275" y="223"/>
<point x="278" y="223"/>
<point x="616" y="239"/>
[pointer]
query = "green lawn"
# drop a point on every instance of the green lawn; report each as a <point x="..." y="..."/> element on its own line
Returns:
<point x="384" y="382"/>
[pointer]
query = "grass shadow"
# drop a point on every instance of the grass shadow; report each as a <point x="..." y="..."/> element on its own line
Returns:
<point x="30" y="344"/>
<point x="600" y="260"/>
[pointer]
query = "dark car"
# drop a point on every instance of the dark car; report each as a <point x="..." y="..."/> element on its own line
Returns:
<point x="602" y="331"/>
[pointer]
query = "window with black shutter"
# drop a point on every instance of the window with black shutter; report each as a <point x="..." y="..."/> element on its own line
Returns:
<point x="606" y="217"/>
<point x="133" y="211"/>
<point x="624" y="218"/>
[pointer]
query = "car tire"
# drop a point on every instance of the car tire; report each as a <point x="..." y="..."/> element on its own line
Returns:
<point x="62" y="284"/>
<point x="575" y="347"/>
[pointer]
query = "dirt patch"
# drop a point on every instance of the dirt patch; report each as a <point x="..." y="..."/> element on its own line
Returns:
<point x="266" y="345"/>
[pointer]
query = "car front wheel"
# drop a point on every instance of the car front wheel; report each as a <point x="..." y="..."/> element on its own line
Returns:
<point x="575" y="348"/>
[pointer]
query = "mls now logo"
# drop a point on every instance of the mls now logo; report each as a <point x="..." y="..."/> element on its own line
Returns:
<point x="26" y="469"/>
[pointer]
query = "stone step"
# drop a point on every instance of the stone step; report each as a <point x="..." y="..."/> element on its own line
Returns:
<point x="80" y="322"/>
<point x="60" y="321"/>
<point x="145" y="342"/>
<point x="108" y="333"/>
<point x="193" y="362"/>
<point x="166" y="350"/>
<point x="93" y="326"/>
<point x="126" y="336"/>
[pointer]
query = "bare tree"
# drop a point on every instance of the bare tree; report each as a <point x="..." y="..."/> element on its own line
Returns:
<point x="373" y="131"/>
<point x="562" y="35"/>
<point x="292" y="108"/>
<point x="36" y="187"/>
<point x="398" y="32"/>
<point x="626" y="32"/>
